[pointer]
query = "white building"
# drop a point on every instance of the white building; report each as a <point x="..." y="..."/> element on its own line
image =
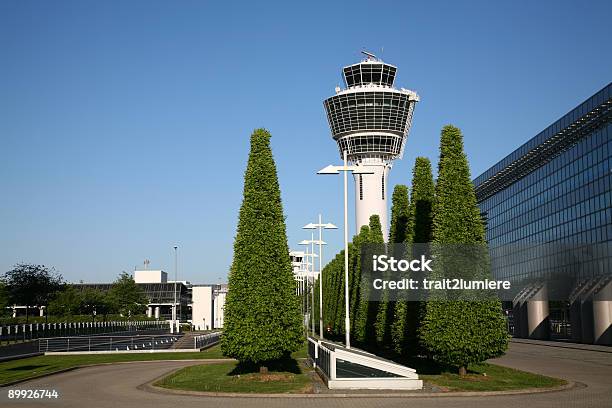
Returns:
<point x="219" y="305"/>
<point x="370" y="120"/>
<point x="207" y="306"/>
<point x="150" y="276"/>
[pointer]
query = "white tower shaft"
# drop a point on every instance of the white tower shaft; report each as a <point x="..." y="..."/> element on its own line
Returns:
<point x="371" y="195"/>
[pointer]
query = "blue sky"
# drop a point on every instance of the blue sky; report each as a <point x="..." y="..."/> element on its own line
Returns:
<point x="124" y="126"/>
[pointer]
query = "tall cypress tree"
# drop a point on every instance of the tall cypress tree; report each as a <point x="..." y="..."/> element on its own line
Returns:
<point x="460" y="332"/>
<point x="399" y="215"/>
<point x="368" y="309"/>
<point x="409" y="314"/>
<point x="397" y="234"/>
<point x="262" y="312"/>
<point x="355" y="278"/>
<point x="423" y="192"/>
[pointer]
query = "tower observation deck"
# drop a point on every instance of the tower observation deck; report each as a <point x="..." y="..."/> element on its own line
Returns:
<point x="370" y="120"/>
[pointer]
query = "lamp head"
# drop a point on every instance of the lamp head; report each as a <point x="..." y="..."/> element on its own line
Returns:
<point x="331" y="169"/>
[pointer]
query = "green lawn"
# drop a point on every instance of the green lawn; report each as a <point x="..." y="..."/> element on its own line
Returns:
<point x="490" y="377"/>
<point x="289" y="376"/>
<point x="301" y="353"/>
<point x="35" y="366"/>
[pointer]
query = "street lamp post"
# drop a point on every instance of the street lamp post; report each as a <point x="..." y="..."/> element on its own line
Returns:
<point x="174" y="322"/>
<point x="345" y="168"/>
<point x="320" y="226"/>
<point x="309" y="272"/>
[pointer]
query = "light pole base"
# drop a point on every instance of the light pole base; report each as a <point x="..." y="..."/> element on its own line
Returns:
<point x="347" y="326"/>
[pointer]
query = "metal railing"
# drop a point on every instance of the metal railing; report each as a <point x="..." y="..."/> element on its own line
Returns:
<point x="106" y="343"/>
<point x="206" y="340"/>
<point x="24" y="332"/>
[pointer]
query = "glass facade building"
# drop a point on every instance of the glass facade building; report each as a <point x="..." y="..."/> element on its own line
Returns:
<point x="549" y="203"/>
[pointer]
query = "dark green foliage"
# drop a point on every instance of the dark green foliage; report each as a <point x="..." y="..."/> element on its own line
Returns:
<point x="66" y="303"/>
<point x="97" y="302"/>
<point x="337" y="287"/>
<point x="31" y="285"/>
<point x="355" y="280"/>
<point x="456" y="214"/>
<point x="331" y="297"/>
<point x="3" y="298"/>
<point x="458" y="333"/>
<point x="262" y="312"/>
<point x="408" y="315"/>
<point x="422" y="198"/>
<point x="126" y="297"/>
<point x="397" y="235"/>
<point x="371" y="313"/>
<point x="399" y="214"/>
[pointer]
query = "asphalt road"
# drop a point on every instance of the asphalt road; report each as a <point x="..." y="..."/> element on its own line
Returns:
<point x="117" y="386"/>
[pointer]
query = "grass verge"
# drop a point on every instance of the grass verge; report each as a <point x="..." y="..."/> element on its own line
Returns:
<point x="491" y="377"/>
<point x="286" y="376"/>
<point x="22" y="369"/>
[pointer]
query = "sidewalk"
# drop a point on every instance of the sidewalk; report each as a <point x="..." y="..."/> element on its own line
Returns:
<point x="564" y="344"/>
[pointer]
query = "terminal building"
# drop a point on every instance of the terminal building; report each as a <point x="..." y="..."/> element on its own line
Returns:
<point x="548" y="213"/>
<point x="201" y="305"/>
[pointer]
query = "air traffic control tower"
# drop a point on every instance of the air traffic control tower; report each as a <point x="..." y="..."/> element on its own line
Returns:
<point x="370" y="120"/>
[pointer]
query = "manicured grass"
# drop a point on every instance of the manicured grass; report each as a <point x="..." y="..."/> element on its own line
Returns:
<point x="31" y="367"/>
<point x="288" y="376"/>
<point x="301" y="353"/>
<point x="491" y="377"/>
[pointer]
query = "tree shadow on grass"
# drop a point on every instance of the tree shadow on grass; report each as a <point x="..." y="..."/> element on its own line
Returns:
<point x="427" y="366"/>
<point x="286" y="364"/>
<point x="421" y="364"/>
<point x="26" y="367"/>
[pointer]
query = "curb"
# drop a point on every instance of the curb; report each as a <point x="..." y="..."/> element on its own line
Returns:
<point x="65" y="370"/>
<point x="19" y="356"/>
<point x="572" y="346"/>
<point x="150" y="387"/>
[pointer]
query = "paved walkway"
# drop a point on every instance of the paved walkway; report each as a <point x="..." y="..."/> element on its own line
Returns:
<point x="563" y="344"/>
<point x="116" y="386"/>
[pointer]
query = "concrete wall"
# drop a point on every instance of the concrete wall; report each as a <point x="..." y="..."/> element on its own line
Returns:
<point x="202" y="307"/>
<point x="150" y="276"/>
<point x="219" y="304"/>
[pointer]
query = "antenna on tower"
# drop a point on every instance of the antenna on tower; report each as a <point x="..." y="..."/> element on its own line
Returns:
<point x="369" y="55"/>
<point x="146" y="264"/>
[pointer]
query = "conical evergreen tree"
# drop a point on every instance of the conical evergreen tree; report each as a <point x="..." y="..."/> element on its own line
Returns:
<point x="460" y="332"/>
<point x="397" y="234"/>
<point x="423" y="192"/>
<point x="399" y="215"/>
<point x="409" y="314"/>
<point x="355" y="278"/>
<point x="369" y="309"/>
<point x="262" y="312"/>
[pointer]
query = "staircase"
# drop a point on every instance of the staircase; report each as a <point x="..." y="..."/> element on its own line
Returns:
<point x="185" y="342"/>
